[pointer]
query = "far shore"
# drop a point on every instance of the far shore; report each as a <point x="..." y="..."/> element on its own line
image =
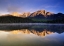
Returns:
<point x="31" y="23"/>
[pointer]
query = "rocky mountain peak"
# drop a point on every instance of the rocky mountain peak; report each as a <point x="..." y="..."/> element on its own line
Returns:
<point x="41" y="12"/>
<point x="25" y="14"/>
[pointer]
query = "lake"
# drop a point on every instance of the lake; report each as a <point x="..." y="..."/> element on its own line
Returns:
<point x="32" y="35"/>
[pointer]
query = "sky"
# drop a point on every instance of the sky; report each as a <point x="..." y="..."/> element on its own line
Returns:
<point x="9" y="6"/>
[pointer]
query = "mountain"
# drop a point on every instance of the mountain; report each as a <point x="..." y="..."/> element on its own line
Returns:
<point x="40" y="16"/>
<point x="41" y="12"/>
<point x="43" y="16"/>
<point x="26" y="14"/>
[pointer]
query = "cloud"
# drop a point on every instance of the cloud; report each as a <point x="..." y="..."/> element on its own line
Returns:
<point x="48" y="6"/>
<point x="14" y="9"/>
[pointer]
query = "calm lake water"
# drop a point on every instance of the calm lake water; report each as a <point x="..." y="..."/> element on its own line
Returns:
<point x="45" y="35"/>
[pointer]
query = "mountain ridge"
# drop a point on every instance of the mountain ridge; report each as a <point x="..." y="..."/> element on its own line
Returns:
<point x="27" y="14"/>
<point x="40" y="16"/>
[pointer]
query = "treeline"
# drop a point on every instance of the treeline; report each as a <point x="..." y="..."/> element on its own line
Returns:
<point x="14" y="19"/>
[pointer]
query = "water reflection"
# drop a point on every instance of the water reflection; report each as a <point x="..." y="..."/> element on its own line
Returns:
<point x="26" y="31"/>
<point x="33" y="36"/>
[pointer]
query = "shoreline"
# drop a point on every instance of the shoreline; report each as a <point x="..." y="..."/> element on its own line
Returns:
<point x="31" y="24"/>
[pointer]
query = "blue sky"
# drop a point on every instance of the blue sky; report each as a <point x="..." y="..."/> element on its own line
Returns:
<point x="7" y="6"/>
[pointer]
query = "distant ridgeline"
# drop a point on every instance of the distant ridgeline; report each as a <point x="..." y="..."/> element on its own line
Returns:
<point x="40" y="16"/>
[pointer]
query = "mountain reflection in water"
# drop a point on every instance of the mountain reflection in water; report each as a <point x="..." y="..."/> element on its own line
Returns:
<point x="26" y="31"/>
<point x="33" y="36"/>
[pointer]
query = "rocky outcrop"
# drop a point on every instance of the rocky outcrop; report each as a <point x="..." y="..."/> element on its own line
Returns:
<point x="49" y="13"/>
<point x="25" y="14"/>
<point x="41" y="12"/>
